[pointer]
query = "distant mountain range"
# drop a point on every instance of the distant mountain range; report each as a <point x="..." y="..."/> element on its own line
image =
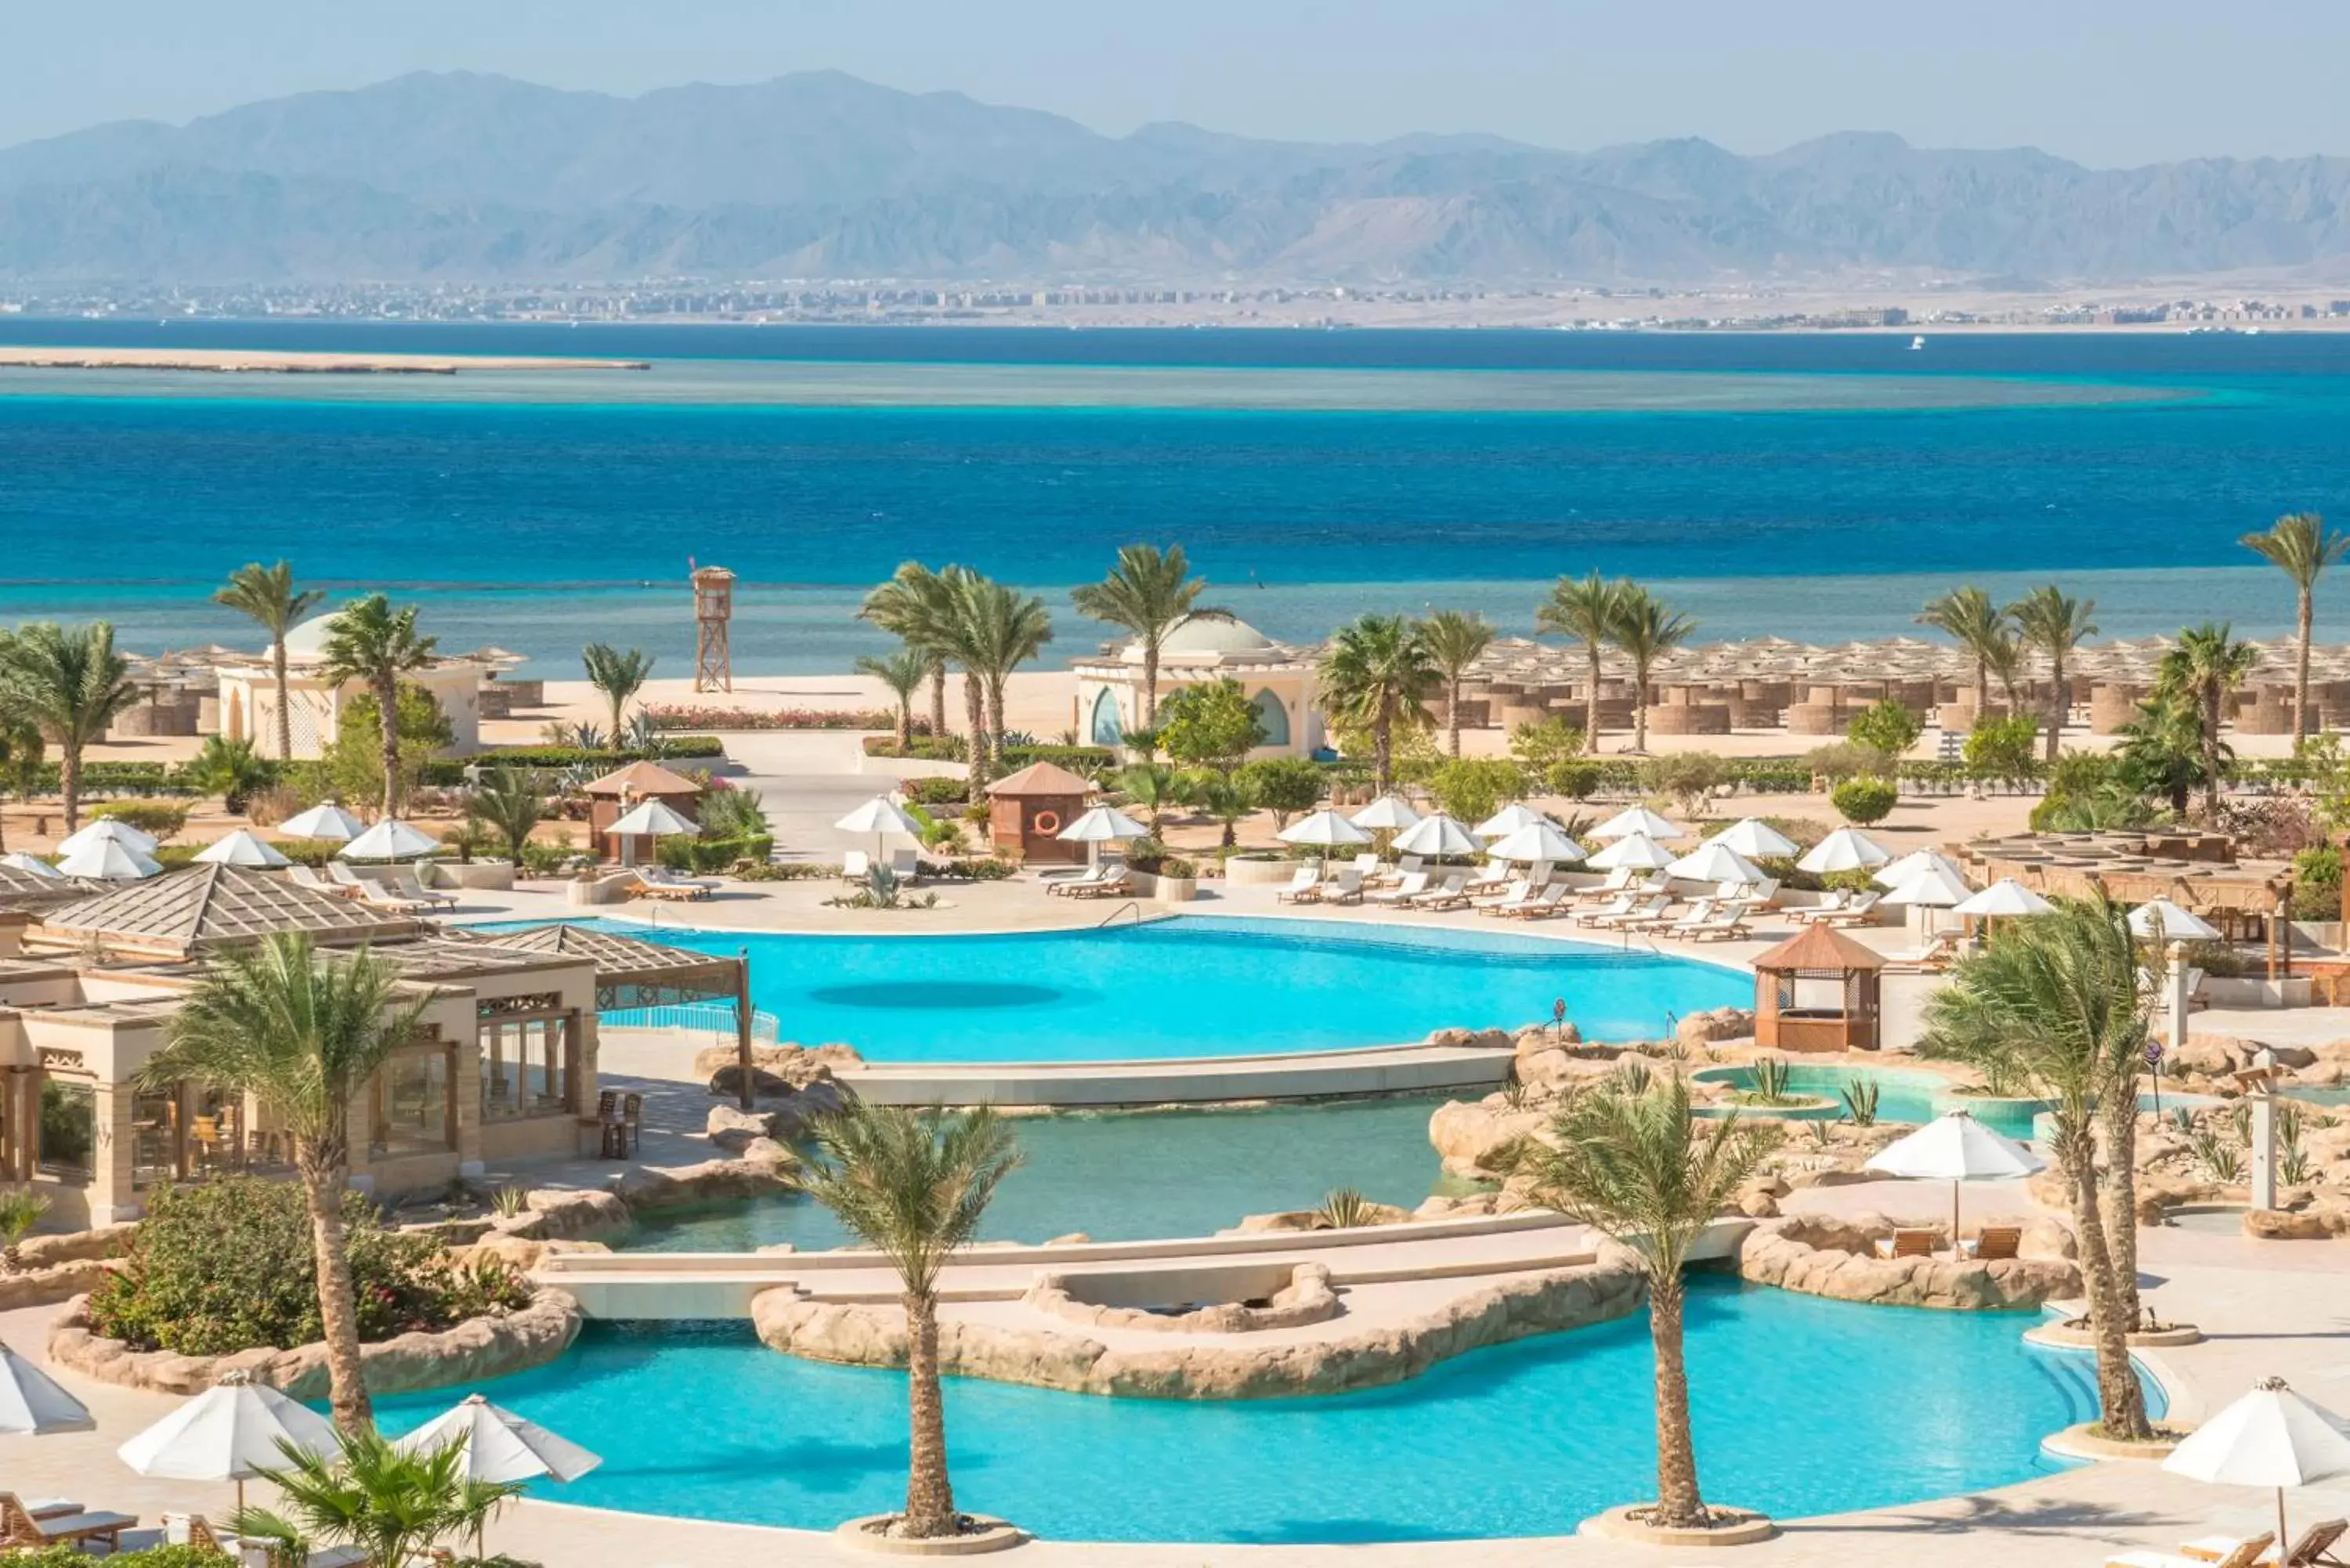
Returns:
<point x="820" y="175"/>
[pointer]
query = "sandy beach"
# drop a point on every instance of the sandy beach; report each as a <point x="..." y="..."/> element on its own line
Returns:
<point x="296" y="363"/>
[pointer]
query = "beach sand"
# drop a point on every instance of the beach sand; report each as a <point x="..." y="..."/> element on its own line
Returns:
<point x="292" y="363"/>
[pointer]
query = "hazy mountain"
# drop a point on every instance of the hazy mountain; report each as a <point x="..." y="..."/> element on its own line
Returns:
<point x="466" y="176"/>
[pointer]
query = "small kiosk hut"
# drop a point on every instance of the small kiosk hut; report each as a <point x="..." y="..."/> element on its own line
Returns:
<point x="1027" y="810"/>
<point x="1817" y="992"/>
<point x="611" y="797"/>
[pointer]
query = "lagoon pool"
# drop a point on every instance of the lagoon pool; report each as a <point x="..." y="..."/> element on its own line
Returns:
<point x="1137" y="1177"/>
<point x="1195" y="986"/>
<point x="1903" y="1095"/>
<point x="1802" y="1407"/>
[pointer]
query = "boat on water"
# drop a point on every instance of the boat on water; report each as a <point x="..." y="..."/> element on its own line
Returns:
<point x="1916" y="344"/>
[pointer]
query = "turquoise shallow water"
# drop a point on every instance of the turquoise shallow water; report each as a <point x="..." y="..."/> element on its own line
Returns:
<point x="1135" y="1177"/>
<point x="1802" y="1407"/>
<point x="1198" y="986"/>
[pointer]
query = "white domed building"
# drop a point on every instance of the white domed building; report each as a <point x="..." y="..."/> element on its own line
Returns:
<point x="248" y="695"/>
<point x="1278" y="679"/>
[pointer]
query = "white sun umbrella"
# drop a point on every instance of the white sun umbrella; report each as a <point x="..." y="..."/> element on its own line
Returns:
<point x="330" y="823"/>
<point x="650" y="819"/>
<point x="1437" y="834"/>
<point x="109" y="861"/>
<point x="2004" y="899"/>
<point x="1955" y="1149"/>
<point x="500" y="1446"/>
<point x="1894" y="873"/>
<point x="1638" y="819"/>
<point x="1714" y="861"/>
<point x="1389" y="814"/>
<point x="1845" y="849"/>
<point x="1637" y="850"/>
<point x="1102" y="824"/>
<point x="2159" y="919"/>
<point x="2272" y="1438"/>
<point x="1538" y="842"/>
<point x="31" y="1403"/>
<point x="31" y="866"/>
<point x="230" y="1432"/>
<point x="1324" y="829"/>
<point x="106" y="828"/>
<point x="391" y="839"/>
<point x="880" y="816"/>
<point x="242" y="849"/>
<point x="1752" y="836"/>
<point x="1508" y="820"/>
<point x="1935" y="886"/>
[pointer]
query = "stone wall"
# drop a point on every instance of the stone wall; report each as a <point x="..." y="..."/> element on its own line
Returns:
<point x="1306" y="1299"/>
<point x="1837" y="1258"/>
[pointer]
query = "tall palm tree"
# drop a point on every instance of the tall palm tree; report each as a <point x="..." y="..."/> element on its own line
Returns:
<point x="1628" y="1159"/>
<point x="1646" y="628"/>
<point x="2299" y="545"/>
<point x="505" y="803"/>
<point x="303" y="1033"/>
<point x="1584" y="610"/>
<point x="21" y="750"/>
<point x="2162" y="752"/>
<point x="903" y="673"/>
<point x="70" y="682"/>
<point x="997" y="629"/>
<point x="1150" y="593"/>
<point x="916" y="605"/>
<point x="2056" y="999"/>
<point x="369" y="640"/>
<point x="2208" y="664"/>
<point x="2051" y="623"/>
<point x="619" y="676"/>
<point x="1454" y="641"/>
<point x="1153" y="786"/>
<point x="1983" y="629"/>
<point x="912" y="1184"/>
<point x="266" y="596"/>
<point x="1376" y="674"/>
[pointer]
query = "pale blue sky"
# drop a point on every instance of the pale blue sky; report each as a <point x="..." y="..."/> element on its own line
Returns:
<point x="2106" y="83"/>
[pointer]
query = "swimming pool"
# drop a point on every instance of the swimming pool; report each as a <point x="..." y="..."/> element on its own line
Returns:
<point x="1121" y="1177"/>
<point x="1802" y="1407"/>
<point x="1904" y="1095"/>
<point x="1196" y="987"/>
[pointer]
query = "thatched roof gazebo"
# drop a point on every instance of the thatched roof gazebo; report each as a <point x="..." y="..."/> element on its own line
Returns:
<point x="1027" y="810"/>
<point x="1818" y="992"/>
<point x="610" y="798"/>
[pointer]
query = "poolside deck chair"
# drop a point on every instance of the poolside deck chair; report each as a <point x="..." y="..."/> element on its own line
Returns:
<point x="1093" y="876"/>
<point x="1644" y="911"/>
<point x="1936" y="954"/>
<point x="1996" y="1244"/>
<point x="1305" y="886"/>
<point x="1412" y="886"/>
<point x="1858" y="911"/>
<point x="404" y="881"/>
<point x="1701" y="910"/>
<point x="2313" y="1550"/>
<point x="1832" y="902"/>
<point x="1389" y="876"/>
<point x="1910" y="1241"/>
<point x="1113" y="882"/>
<point x="1619" y="881"/>
<point x="346" y="881"/>
<point x="1368" y="867"/>
<point x="2247" y="1553"/>
<point x="377" y="897"/>
<point x="1492" y="899"/>
<point x="855" y="867"/>
<point x="1347" y="887"/>
<point x="906" y="865"/>
<point x="660" y="882"/>
<point x="1728" y="923"/>
<point x="1491" y="879"/>
<point x="1622" y="904"/>
<point x="1446" y="896"/>
<point x="20" y="1527"/>
<point x="1538" y="904"/>
<point x="309" y="877"/>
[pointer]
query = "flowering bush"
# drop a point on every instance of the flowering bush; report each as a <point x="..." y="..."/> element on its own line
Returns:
<point x="685" y="716"/>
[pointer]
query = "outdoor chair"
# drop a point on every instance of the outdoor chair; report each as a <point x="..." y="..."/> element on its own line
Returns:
<point x="1832" y="902"/>
<point x="632" y="1120"/>
<point x="2245" y="1555"/>
<point x="308" y="876"/>
<point x="1699" y="912"/>
<point x="612" y="1129"/>
<point x="1860" y="910"/>
<point x="1534" y="903"/>
<point x="377" y="897"/>
<point x="1495" y="898"/>
<point x="660" y="882"/>
<point x="854" y="867"/>
<point x="1997" y="1243"/>
<point x="1641" y="912"/>
<point x="1618" y="881"/>
<point x="906" y="865"/>
<point x="2313" y="1550"/>
<point x="1622" y="904"/>
<point x="1113" y="881"/>
<point x="1304" y="885"/>
<point x="1910" y="1241"/>
<point x="19" y="1526"/>
<point x="404" y="881"/>
<point x="1092" y="876"/>
<point x="1447" y="897"/>
<point x="1412" y="886"/>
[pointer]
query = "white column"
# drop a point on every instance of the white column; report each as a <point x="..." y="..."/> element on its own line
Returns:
<point x="2263" y="1150"/>
<point x="2177" y="978"/>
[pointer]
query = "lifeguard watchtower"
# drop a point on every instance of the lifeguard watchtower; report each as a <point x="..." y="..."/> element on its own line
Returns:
<point x="713" y="605"/>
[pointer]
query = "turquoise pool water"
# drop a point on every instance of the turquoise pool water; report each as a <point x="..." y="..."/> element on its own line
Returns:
<point x="1902" y="1095"/>
<point x="1197" y="987"/>
<point x="1131" y="1177"/>
<point x="1802" y="1407"/>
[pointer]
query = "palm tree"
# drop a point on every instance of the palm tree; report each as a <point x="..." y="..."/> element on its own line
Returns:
<point x="266" y="596"/>
<point x="21" y="749"/>
<point x="393" y="1504"/>
<point x="1983" y="630"/>
<point x="2161" y="751"/>
<point x="303" y="1033"/>
<point x="1628" y="1159"/>
<point x="1222" y="796"/>
<point x="21" y="1209"/>
<point x="912" y="1184"/>
<point x="997" y="629"/>
<point x="916" y="606"/>
<point x="1646" y="628"/>
<point x="1150" y="593"/>
<point x="1454" y="641"/>
<point x="70" y="682"/>
<point x="619" y="676"/>
<point x="2208" y="664"/>
<point x="2055" y="1000"/>
<point x="230" y="770"/>
<point x="903" y="673"/>
<point x="369" y="640"/>
<point x="1585" y="610"/>
<point x="505" y="803"/>
<point x="2053" y="624"/>
<point x="1153" y="786"/>
<point x="2299" y="545"/>
<point x="1376" y="673"/>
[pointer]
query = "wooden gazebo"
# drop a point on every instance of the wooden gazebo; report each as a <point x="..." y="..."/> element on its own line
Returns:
<point x="1818" y="992"/>
<point x="611" y="797"/>
<point x="1027" y="810"/>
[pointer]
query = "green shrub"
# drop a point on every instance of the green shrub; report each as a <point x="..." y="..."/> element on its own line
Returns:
<point x="936" y="791"/>
<point x="1687" y="776"/>
<point x="1575" y="778"/>
<point x="1285" y="786"/>
<point x="64" y="1556"/>
<point x="2317" y="883"/>
<point x="158" y="820"/>
<point x="1209" y="724"/>
<point x="1845" y="760"/>
<point x="716" y="853"/>
<point x="2001" y="750"/>
<point x="1545" y="743"/>
<point x="1886" y="727"/>
<point x="1474" y="788"/>
<point x="1863" y="801"/>
<point x="224" y="1266"/>
<point x="1096" y="763"/>
<point x="1176" y="865"/>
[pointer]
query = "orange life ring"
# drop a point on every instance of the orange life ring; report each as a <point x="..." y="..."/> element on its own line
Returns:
<point x="1045" y="822"/>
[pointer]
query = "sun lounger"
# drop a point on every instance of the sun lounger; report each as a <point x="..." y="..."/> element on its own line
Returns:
<point x="1447" y="896"/>
<point x="1934" y="954"/>
<point x="377" y="897"/>
<point x="2313" y="1550"/>
<point x="1622" y="904"/>
<point x="1996" y="1244"/>
<point x="659" y="882"/>
<point x="1701" y="910"/>
<point x="1345" y="889"/>
<point x="1910" y="1241"/>
<point x="1118" y="883"/>
<point x="309" y="877"/>
<point x="1649" y="909"/>
<point x="1092" y="876"/>
<point x="2247" y="1553"/>
<point x="1619" y="881"/>
<point x="1491" y="898"/>
<point x="856" y="867"/>
<point x="1305" y="886"/>
<point x="1540" y="904"/>
<point x="906" y="865"/>
<point x="404" y="881"/>
<point x="20" y="1527"/>
<point x="1367" y="865"/>
<point x="1859" y="911"/>
<point x="1413" y="885"/>
<point x="1832" y="902"/>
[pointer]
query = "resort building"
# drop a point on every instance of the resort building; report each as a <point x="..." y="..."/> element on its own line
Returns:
<point x="1279" y="680"/>
<point x="248" y="694"/>
<point x="503" y="1068"/>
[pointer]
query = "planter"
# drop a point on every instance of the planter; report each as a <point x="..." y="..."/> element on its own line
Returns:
<point x="1243" y="872"/>
<point x="1164" y="889"/>
<point x="497" y="876"/>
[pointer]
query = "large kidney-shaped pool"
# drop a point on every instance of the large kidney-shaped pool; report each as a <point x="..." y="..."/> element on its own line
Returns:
<point x="1197" y="986"/>
<point x="1802" y="1407"/>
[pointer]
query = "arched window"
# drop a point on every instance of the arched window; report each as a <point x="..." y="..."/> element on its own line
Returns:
<point x="1108" y="725"/>
<point x="1274" y="717"/>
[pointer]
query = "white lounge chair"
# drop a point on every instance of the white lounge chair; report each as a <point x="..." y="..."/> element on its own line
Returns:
<point x="1304" y="885"/>
<point x="1447" y="896"/>
<point x="1491" y="879"/>
<point x="906" y="865"/>
<point x="404" y="881"/>
<point x="1347" y="887"/>
<point x="1113" y="880"/>
<point x="1651" y="908"/>
<point x="1621" y="905"/>
<point x="1514" y="893"/>
<point x="309" y="877"/>
<point x="1860" y="910"/>
<point x="660" y="882"/>
<point x="376" y="895"/>
<point x="1413" y="885"/>
<point x="1726" y="923"/>
<point x="1619" y="881"/>
<point x="1699" y="912"/>
<point x="856" y="867"/>
<point x="1533" y="904"/>
<point x="1367" y="865"/>
<point x="2247" y="1553"/>
<point x="1091" y="876"/>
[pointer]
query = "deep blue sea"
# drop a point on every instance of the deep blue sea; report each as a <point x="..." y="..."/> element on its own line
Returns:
<point x="1816" y="485"/>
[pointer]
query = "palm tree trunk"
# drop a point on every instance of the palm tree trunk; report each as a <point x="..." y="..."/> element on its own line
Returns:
<point x="285" y="719"/>
<point x="386" y="697"/>
<point x="930" y="1495"/>
<point x="905" y="720"/>
<point x="2212" y="753"/>
<point x="938" y="697"/>
<point x="2121" y="1404"/>
<point x="619" y="711"/>
<point x="1591" y="699"/>
<point x="1640" y="708"/>
<point x="975" y="715"/>
<point x="70" y="782"/>
<point x="2301" y="669"/>
<point x="1679" y="1505"/>
<point x="996" y="727"/>
<point x="1149" y="684"/>
<point x="2118" y="1187"/>
<point x="1982" y="686"/>
<point x="1452" y="713"/>
<point x="322" y="1186"/>
<point x="1382" y="752"/>
<point x="2059" y="701"/>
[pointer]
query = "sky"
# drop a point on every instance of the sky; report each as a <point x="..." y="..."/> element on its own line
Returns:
<point x="2104" y="83"/>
